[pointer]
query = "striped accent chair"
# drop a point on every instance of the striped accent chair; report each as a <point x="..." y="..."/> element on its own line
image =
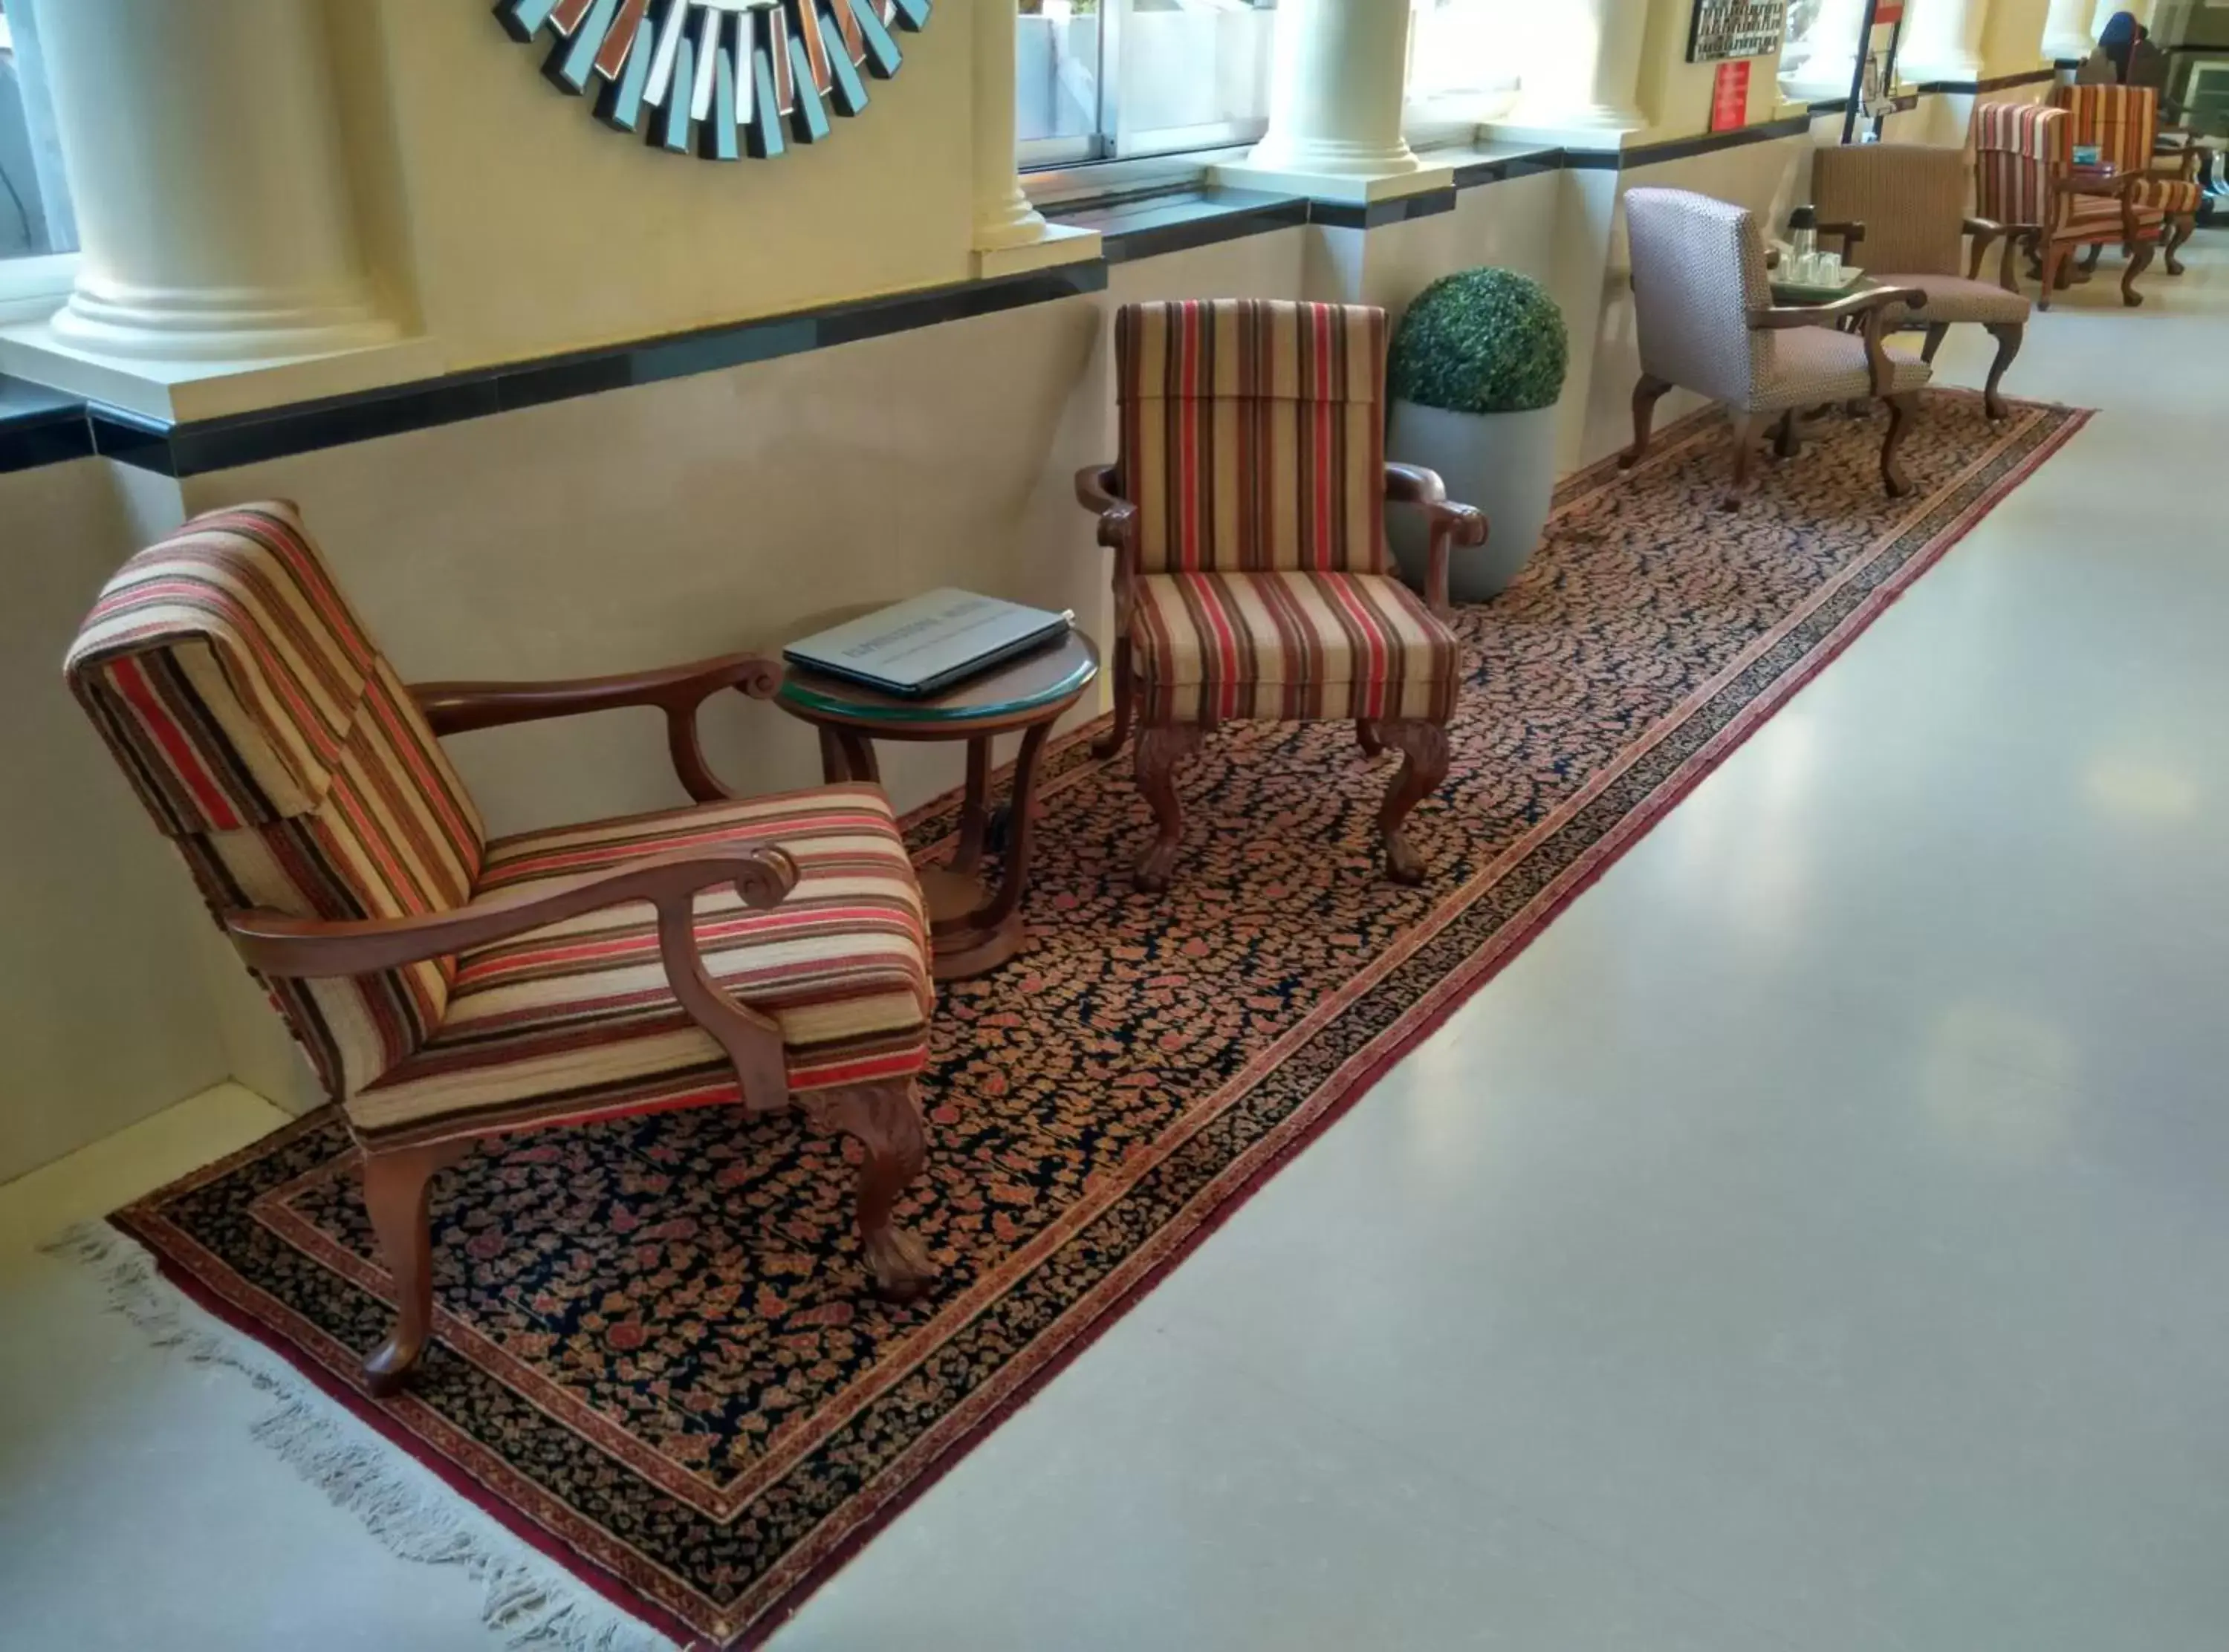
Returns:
<point x="446" y="987"/>
<point x="1903" y="206"/>
<point x="1247" y="514"/>
<point x="1702" y="305"/>
<point x="2124" y="122"/>
<point x="2025" y="179"/>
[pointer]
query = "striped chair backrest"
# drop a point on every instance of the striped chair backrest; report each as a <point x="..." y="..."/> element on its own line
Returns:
<point x="1698" y="272"/>
<point x="276" y="747"/>
<point x="1910" y="197"/>
<point x="1253" y="434"/>
<point x="2123" y="121"/>
<point x="2019" y="148"/>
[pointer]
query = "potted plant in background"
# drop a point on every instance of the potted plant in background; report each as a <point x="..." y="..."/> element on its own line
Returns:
<point x="1477" y="364"/>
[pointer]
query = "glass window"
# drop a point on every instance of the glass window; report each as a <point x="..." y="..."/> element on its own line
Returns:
<point x="1821" y="52"/>
<point x="1097" y="80"/>
<point x="35" y="219"/>
<point x="1464" y="58"/>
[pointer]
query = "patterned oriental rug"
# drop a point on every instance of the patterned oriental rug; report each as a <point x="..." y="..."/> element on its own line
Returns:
<point x="658" y="1363"/>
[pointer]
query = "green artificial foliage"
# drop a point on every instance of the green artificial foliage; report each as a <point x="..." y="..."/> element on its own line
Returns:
<point x="1481" y="342"/>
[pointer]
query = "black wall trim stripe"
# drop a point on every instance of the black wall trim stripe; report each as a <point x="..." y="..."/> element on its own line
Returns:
<point x="38" y="426"/>
<point x="1994" y="83"/>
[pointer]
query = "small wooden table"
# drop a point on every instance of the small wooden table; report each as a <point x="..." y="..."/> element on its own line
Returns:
<point x="973" y="929"/>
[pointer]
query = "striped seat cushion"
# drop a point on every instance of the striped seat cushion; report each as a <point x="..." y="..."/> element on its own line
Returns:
<point x="1210" y="648"/>
<point x="2099" y="217"/>
<point x="575" y="1020"/>
<point x="2172" y="197"/>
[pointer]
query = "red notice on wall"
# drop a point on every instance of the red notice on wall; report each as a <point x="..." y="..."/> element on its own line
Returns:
<point x="1730" y="96"/>
<point x="1888" y="11"/>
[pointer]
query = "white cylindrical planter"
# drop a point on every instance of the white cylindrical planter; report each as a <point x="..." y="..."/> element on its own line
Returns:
<point x="1337" y="69"/>
<point x="1942" y="41"/>
<point x="212" y="206"/>
<point x="1004" y="216"/>
<point x="1585" y="68"/>
<point x="1505" y="463"/>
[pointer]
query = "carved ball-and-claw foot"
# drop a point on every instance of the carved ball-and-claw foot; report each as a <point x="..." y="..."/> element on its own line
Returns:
<point x="1157" y="754"/>
<point x="1423" y="748"/>
<point x="899" y="1264"/>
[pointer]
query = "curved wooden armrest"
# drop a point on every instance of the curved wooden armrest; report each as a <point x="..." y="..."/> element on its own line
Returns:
<point x="678" y="691"/>
<point x="275" y="945"/>
<point x="762" y="874"/>
<point x="1451" y="522"/>
<point x="1869" y="302"/>
<point x="1118" y="518"/>
<point x="2015" y="236"/>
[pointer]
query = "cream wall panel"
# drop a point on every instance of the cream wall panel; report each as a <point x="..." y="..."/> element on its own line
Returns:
<point x="104" y="1016"/>
<point x="2012" y="37"/>
<point x="534" y="229"/>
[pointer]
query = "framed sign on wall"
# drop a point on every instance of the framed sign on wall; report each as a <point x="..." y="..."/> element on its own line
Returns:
<point x="1735" y="29"/>
<point x="719" y="77"/>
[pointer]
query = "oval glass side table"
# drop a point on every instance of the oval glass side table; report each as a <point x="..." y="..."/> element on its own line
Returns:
<point x="973" y="929"/>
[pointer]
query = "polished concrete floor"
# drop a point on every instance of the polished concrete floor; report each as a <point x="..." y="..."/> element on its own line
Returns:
<point x="1815" y="1241"/>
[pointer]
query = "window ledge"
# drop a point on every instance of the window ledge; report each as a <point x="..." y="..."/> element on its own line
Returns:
<point x="31" y="289"/>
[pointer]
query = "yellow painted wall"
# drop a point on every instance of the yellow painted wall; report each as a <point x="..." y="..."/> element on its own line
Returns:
<point x="534" y="229"/>
<point x="1675" y="93"/>
<point x="2012" y="37"/>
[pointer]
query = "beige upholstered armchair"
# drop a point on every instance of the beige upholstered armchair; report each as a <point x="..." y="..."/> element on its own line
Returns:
<point x="1246" y="515"/>
<point x="1900" y="209"/>
<point x="1704" y="308"/>
<point x="448" y="987"/>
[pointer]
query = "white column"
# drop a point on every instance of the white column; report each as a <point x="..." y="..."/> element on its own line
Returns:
<point x="1942" y="41"/>
<point x="212" y="203"/>
<point x="1336" y="76"/>
<point x="2066" y="34"/>
<point x="1584" y="68"/>
<point x="1832" y="64"/>
<point x="2102" y="14"/>
<point x="1004" y="216"/>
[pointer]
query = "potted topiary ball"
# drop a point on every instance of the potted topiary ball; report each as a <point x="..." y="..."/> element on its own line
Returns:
<point x="1477" y="365"/>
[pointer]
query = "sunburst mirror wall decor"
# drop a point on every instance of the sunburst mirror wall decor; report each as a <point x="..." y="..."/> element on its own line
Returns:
<point x="721" y="77"/>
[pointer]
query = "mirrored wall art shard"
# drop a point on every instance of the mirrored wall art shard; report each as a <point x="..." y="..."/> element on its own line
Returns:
<point x="722" y="79"/>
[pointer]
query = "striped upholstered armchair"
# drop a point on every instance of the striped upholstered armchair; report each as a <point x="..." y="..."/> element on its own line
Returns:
<point x="1900" y="209"/>
<point x="2025" y="178"/>
<point x="1246" y="515"/>
<point x="446" y="987"/>
<point x="2124" y="122"/>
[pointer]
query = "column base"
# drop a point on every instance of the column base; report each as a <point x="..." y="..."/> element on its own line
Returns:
<point x="1920" y="70"/>
<point x="183" y="389"/>
<point x="1053" y="244"/>
<point x="1352" y="187"/>
<point x="1594" y="126"/>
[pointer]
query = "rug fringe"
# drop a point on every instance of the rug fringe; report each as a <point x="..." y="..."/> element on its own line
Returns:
<point x="526" y="1597"/>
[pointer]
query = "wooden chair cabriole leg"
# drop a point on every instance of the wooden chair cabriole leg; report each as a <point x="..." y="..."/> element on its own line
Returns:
<point x="885" y="1120"/>
<point x="1745" y="424"/>
<point x="1365" y="736"/>
<point x="2090" y="259"/>
<point x="1111" y="742"/>
<point x="2139" y="261"/>
<point x="2180" y="229"/>
<point x="1936" y="332"/>
<point x="397" y="1188"/>
<point x="1423" y="748"/>
<point x="2008" y="335"/>
<point x="1787" y="436"/>
<point x="1901" y="412"/>
<point x="1646" y="395"/>
<point x="1160" y="750"/>
<point x="2053" y="261"/>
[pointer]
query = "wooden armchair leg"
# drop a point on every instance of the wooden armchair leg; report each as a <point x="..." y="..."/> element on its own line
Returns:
<point x="2139" y="261"/>
<point x="885" y="1119"/>
<point x="1366" y="736"/>
<point x="1423" y="748"/>
<point x="1901" y="412"/>
<point x="1160" y="750"/>
<point x="1787" y="436"/>
<point x="396" y="1184"/>
<point x="1744" y="425"/>
<point x="1646" y="395"/>
<point x="2054" y="258"/>
<point x="2179" y="230"/>
<point x="2089" y="259"/>
<point x="2008" y="335"/>
<point x="1111" y="742"/>
<point x="1936" y="332"/>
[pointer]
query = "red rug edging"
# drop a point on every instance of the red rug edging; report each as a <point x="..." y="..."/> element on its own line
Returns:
<point x="1452" y="993"/>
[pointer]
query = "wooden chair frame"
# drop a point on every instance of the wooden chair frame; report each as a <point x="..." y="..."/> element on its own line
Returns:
<point x="1869" y="312"/>
<point x="884" y="1118"/>
<point x="1422" y="744"/>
